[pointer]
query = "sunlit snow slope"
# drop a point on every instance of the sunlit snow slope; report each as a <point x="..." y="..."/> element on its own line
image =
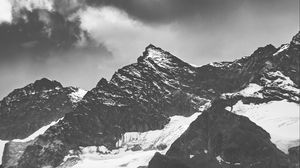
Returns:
<point x="41" y="131"/>
<point x="134" y="148"/>
<point x="77" y="95"/>
<point x="279" y="118"/>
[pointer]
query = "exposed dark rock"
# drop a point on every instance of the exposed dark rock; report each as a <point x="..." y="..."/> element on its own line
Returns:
<point x="160" y="161"/>
<point x="137" y="98"/>
<point x="12" y="153"/>
<point x="142" y="96"/>
<point x="27" y="109"/>
<point x="294" y="155"/>
<point x="219" y="138"/>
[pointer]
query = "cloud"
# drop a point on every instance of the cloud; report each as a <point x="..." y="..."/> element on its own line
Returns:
<point x="196" y="39"/>
<point x="41" y="33"/>
<point x="162" y="11"/>
<point x="5" y="11"/>
<point x="166" y="11"/>
<point x="123" y="36"/>
<point x="40" y="41"/>
<point x="68" y="7"/>
<point x="79" y="41"/>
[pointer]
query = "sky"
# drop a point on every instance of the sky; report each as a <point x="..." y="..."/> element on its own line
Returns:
<point x="77" y="42"/>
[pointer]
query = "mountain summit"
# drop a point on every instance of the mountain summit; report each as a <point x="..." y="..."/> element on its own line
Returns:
<point x="46" y="84"/>
<point x="296" y="39"/>
<point x="27" y="109"/>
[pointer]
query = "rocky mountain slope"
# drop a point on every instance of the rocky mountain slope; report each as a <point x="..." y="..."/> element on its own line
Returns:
<point x="148" y="105"/>
<point x="223" y="137"/>
<point x="25" y="111"/>
<point x="139" y="97"/>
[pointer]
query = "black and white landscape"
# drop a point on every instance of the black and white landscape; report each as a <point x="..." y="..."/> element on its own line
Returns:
<point x="157" y="111"/>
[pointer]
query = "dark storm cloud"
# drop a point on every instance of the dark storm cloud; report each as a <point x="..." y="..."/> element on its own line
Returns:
<point x="40" y="34"/>
<point x="161" y="11"/>
<point x="68" y="7"/>
<point x="167" y="10"/>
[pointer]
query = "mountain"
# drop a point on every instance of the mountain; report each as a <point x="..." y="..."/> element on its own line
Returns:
<point x="206" y="116"/>
<point x="26" y="112"/>
<point x="27" y="109"/>
<point x="223" y="136"/>
<point x="139" y="97"/>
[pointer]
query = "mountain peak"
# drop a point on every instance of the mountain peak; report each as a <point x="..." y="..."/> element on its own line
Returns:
<point x="155" y="54"/>
<point x="153" y="51"/>
<point x="46" y="84"/>
<point x="102" y="82"/>
<point x="296" y="39"/>
<point x="151" y="46"/>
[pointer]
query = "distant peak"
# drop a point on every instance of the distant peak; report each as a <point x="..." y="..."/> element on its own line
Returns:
<point x="102" y="82"/>
<point x="262" y="51"/>
<point x="296" y="39"/>
<point x="153" y="49"/>
<point x="152" y="52"/>
<point x="151" y="46"/>
<point x="46" y="84"/>
<point x="44" y="80"/>
<point x="159" y="57"/>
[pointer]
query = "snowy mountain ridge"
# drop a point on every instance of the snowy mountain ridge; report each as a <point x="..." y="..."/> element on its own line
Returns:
<point x="148" y="115"/>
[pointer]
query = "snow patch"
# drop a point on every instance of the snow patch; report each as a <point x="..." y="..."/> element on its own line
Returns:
<point x="2" y="145"/>
<point x="77" y="95"/>
<point x="282" y="48"/>
<point x="151" y="140"/>
<point x="281" y="81"/>
<point x="127" y="159"/>
<point x="271" y="81"/>
<point x="155" y="54"/>
<point x="41" y="131"/>
<point x="161" y="59"/>
<point x="220" y="160"/>
<point x="216" y="64"/>
<point x="279" y="118"/>
<point x="252" y="90"/>
<point x="94" y="149"/>
<point x="135" y="148"/>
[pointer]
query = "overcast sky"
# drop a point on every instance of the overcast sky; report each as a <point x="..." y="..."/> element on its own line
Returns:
<point x="76" y="42"/>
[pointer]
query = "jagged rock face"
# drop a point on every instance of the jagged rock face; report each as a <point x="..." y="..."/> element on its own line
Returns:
<point x="231" y="76"/>
<point x="219" y="138"/>
<point x="139" y="97"/>
<point x="224" y="77"/>
<point x="160" y="161"/>
<point x="294" y="154"/>
<point x="12" y="152"/>
<point x="142" y="96"/>
<point x="27" y="109"/>
<point x="296" y="40"/>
